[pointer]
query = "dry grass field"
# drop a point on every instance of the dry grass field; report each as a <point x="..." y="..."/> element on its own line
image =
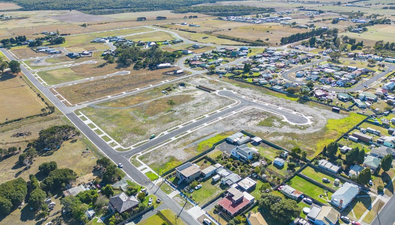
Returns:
<point x="19" y="100"/>
<point x="154" y="36"/>
<point x="26" y="52"/>
<point x="89" y="91"/>
<point x="206" y="38"/>
<point x="375" y="33"/>
<point x="77" y="72"/>
<point x="8" y="6"/>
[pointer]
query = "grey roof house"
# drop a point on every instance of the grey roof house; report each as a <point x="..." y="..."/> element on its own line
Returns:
<point x="382" y="151"/>
<point x="243" y="152"/>
<point x="121" y="203"/>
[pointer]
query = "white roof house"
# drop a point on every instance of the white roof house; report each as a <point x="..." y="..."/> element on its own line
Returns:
<point x="344" y="195"/>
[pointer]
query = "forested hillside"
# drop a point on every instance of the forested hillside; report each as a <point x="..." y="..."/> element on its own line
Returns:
<point x="107" y="6"/>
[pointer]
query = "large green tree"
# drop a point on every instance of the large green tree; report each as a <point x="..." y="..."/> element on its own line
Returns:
<point x="15" y="67"/>
<point x="36" y="199"/>
<point x="332" y="148"/>
<point x="361" y="156"/>
<point x="47" y="167"/>
<point x="386" y="162"/>
<point x="352" y="155"/>
<point x="5" y="206"/>
<point x="364" y="176"/>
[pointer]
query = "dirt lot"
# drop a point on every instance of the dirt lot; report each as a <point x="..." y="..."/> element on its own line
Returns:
<point x="129" y="124"/>
<point x="21" y="100"/>
<point x="89" y="91"/>
<point x="25" y="52"/>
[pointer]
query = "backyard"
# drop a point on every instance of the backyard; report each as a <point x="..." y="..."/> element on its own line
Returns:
<point x="310" y="189"/>
<point x="317" y="176"/>
<point x="208" y="191"/>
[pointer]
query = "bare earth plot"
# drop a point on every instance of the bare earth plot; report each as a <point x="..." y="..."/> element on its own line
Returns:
<point x="26" y="52"/>
<point x="77" y="72"/>
<point x="21" y="100"/>
<point x="131" y="124"/>
<point x="89" y="91"/>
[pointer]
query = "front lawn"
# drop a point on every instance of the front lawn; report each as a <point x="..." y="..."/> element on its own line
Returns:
<point x="310" y="189"/>
<point x="152" y="176"/>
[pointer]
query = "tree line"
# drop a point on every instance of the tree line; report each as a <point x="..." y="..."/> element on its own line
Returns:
<point x="107" y="7"/>
<point x="8" y="42"/>
<point x="301" y="36"/>
<point x="225" y="10"/>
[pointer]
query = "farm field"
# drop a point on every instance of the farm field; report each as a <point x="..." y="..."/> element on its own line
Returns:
<point x="91" y="90"/>
<point x="131" y="124"/>
<point x="21" y="100"/>
<point x="153" y="36"/>
<point x="374" y="33"/>
<point x="206" y="38"/>
<point x="66" y="74"/>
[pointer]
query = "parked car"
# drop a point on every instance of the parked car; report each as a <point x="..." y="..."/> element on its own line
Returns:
<point x="308" y="200"/>
<point x="150" y="201"/>
<point x="158" y="200"/>
<point x="191" y="190"/>
<point x="345" y="219"/>
<point x="325" y="180"/>
<point x="206" y="221"/>
<point x="120" y="165"/>
<point x="198" y="187"/>
<point x="370" y="182"/>
<point x="355" y="223"/>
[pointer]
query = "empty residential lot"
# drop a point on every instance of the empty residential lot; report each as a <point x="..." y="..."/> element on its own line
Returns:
<point x="91" y="90"/>
<point x="133" y="123"/>
<point x="21" y="100"/>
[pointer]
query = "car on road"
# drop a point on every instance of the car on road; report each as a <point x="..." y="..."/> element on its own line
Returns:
<point x="206" y="221"/>
<point x="308" y="200"/>
<point x="345" y="219"/>
<point x="355" y="223"/>
<point x="120" y="165"/>
<point x="198" y="187"/>
<point x="150" y="201"/>
<point x="325" y="180"/>
<point x="158" y="200"/>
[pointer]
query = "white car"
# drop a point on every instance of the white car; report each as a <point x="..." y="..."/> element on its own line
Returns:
<point x="198" y="187"/>
<point x="206" y="221"/>
<point x="120" y="165"/>
<point x="308" y="200"/>
<point x="150" y="201"/>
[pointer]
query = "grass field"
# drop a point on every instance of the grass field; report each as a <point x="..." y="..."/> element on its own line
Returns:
<point x="374" y="33"/>
<point x="206" y="38"/>
<point x="317" y="176"/>
<point x="207" y="192"/>
<point x="91" y="90"/>
<point x="309" y="189"/>
<point x="77" y="72"/>
<point x="152" y="176"/>
<point x="154" y="36"/>
<point x="24" y="52"/>
<point x="156" y="219"/>
<point x="21" y="100"/>
<point x="208" y="143"/>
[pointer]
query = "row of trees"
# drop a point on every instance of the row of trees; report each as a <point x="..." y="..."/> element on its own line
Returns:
<point x="225" y="10"/>
<point x="106" y="7"/>
<point x="53" y="137"/>
<point x="18" y="40"/>
<point x="301" y="36"/>
<point x="14" y="66"/>
<point x="380" y="45"/>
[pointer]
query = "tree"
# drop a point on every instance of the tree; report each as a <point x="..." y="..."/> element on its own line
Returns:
<point x="211" y="68"/>
<point x="193" y="184"/>
<point x="5" y="206"/>
<point x="364" y="176"/>
<point x="332" y="148"/>
<point x="267" y="200"/>
<point x="88" y="196"/>
<point x="3" y="65"/>
<point x="247" y="67"/>
<point x="108" y="190"/>
<point x="33" y="183"/>
<point x="14" y="191"/>
<point x="361" y="156"/>
<point x="15" y="66"/>
<point x="104" y="162"/>
<point x="285" y="210"/>
<point x="36" y="199"/>
<point x="310" y="84"/>
<point x="47" y="167"/>
<point x="58" y="178"/>
<point x="141" y="196"/>
<point x="352" y="155"/>
<point x="335" y="55"/>
<point x="75" y="207"/>
<point x="386" y="162"/>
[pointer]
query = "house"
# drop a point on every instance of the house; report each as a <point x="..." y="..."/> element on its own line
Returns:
<point x="344" y="195"/>
<point x="90" y="213"/>
<point x="324" y="164"/>
<point x="235" y="201"/>
<point x="256" y="219"/>
<point x="363" y="137"/>
<point x="74" y="191"/>
<point x="256" y="140"/>
<point x="230" y="179"/>
<point x="382" y="151"/>
<point x="234" y="137"/>
<point x="343" y="97"/>
<point x="187" y="172"/>
<point x="163" y="65"/>
<point x="279" y="162"/>
<point x="216" y="178"/>
<point x="290" y="192"/>
<point x="324" y="215"/>
<point x="345" y="149"/>
<point x="355" y="170"/>
<point x="243" y="152"/>
<point x="372" y="162"/>
<point x="223" y="172"/>
<point x="121" y="203"/>
<point x="207" y="172"/>
<point x="389" y="142"/>
<point x="247" y="184"/>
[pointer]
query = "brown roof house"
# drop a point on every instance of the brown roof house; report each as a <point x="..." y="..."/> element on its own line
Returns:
<point x="256" y="219"/>
<point x="122" y="202"/>
<point x="187" y="172"/>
